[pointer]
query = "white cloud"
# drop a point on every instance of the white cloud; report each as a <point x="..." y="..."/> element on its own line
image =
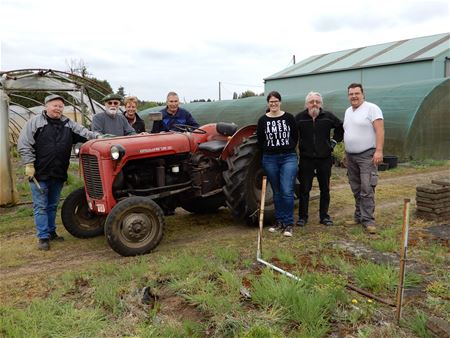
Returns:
<point x="152" y="47"/>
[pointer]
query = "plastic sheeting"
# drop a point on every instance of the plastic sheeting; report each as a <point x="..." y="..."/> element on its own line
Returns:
<point x="417" y="115"/>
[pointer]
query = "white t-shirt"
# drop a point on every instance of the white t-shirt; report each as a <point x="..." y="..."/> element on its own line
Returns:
<point x="359" y="134"/>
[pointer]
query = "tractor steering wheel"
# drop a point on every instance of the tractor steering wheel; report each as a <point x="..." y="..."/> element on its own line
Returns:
<point x="189" y="129"/>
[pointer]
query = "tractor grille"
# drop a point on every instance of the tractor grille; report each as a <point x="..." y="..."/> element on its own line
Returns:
<point x="92" y="178"/>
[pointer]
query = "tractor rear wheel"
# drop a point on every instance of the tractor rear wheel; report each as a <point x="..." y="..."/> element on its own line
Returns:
<point x="243" y="184"/>
<point x="78" y="220"/>
<point x="134" y="226"/>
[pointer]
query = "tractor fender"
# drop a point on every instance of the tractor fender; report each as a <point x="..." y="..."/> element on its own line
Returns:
<point x="236" y="140"/>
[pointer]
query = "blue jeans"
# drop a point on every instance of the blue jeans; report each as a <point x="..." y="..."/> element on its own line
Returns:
<point x="281" y="170"/>
<point x="45" y="204"/>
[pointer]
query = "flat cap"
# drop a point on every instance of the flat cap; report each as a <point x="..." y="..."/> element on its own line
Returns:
<point x="112" y="97"/>
<point x="53" y="97"/>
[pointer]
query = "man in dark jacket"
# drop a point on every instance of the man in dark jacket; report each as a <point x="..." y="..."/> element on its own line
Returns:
<point x="315" y="149"/>
<point x="45" y="144"/>
<point x="172" y="115"/>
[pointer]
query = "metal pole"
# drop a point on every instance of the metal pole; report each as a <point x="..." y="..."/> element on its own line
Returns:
<point x="220" y="91"/>
<point x="260" y="231"/>
<point x="8" y="191"/>
<point x="403" y="250"/>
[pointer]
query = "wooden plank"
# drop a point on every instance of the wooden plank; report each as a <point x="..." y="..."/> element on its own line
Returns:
<point x="434" y="205"/>
<point x="432" y="196"/>
<point x="433" y="188"/>
<point x="430" y="201"/>
<point x="442" y="181"/>
<point x="439" y="327"/>
<point x="437" y="211"/>
<point x="432" y="216"/>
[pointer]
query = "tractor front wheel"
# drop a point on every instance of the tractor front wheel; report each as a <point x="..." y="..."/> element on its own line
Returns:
<point x="78" y="220"/>
<point x="134" y="226"/>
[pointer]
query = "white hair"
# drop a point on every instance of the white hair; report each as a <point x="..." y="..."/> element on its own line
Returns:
<point x="308" y="96"/>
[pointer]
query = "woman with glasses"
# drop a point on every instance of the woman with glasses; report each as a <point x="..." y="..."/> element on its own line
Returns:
<point x="277" y="136"/>
<point x="109" y="121"/>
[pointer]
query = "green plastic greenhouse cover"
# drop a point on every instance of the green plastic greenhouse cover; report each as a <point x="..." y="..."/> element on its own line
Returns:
<point x="416" y="115"/>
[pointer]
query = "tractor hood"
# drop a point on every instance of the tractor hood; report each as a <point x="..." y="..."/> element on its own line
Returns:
<point x="141" y="145"/>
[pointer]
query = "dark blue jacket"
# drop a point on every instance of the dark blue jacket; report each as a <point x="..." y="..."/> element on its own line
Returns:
<point x="182" y="116"/>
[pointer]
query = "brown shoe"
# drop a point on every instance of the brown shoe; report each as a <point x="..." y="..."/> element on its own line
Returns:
<point x="371" y="229"/>
<point x="352" y="222"/>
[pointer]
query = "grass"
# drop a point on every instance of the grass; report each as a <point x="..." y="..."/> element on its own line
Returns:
<point x="198" y="270"/>
<point x="417" y="324"/>
<point x="301" y="304"/>
<point x="51" y="317"/>
<point x="382" y="278"/>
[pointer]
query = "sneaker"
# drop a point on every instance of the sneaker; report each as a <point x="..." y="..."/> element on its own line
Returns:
<point x="301" y="222"/>
<point x="55" y="237"/>
<point x="277" y="227"/>
<point x="288" y="231"/>
<point x="327" y="221"/>
<point x="370" y="228"/>
<point x="44" y="244"/>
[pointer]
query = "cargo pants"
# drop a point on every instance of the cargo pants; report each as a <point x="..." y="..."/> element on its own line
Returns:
<point x="363" y="178"/>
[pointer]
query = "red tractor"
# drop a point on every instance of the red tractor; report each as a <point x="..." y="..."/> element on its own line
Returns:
<point x="132" y="182"/>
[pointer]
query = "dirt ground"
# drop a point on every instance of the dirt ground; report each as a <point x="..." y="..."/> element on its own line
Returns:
<point x="65" y="258"/>
<point x="23" y="268"/>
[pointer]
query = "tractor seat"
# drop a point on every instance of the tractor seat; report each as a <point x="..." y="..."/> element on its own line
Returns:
<point x="226" y="128"/>
<point x="212" y="146"/>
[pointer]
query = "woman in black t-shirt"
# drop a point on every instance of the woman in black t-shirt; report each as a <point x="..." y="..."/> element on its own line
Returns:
<point x="277" y="135"/>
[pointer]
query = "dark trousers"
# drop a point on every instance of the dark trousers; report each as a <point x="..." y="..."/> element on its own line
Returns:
<point x="308" y="168"/>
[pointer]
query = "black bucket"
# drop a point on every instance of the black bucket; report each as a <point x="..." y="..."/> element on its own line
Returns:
<point x="391" y="160"/>
<point x="383" y="166"/>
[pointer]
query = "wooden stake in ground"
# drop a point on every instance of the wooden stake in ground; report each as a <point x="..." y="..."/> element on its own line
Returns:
<point x="261" y="216"/>
<point x="403" y="250"/>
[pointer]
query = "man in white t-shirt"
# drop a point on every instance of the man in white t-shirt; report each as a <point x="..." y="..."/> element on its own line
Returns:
<point x="364" y="140"/>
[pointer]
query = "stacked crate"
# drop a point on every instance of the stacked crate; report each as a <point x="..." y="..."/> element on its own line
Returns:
<point x="433" y="200"/>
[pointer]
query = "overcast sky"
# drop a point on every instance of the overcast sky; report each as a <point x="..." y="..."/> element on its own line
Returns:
<point x="152" y="47"/>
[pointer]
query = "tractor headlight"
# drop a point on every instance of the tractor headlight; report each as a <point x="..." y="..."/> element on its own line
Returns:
<point x="76" y="149"/>
<point x="117" y="152"/>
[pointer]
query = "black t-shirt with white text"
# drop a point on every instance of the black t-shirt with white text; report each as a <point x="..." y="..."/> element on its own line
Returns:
<point x="277" y="134"/>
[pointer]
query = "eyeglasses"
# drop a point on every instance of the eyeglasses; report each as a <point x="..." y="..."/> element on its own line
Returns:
<point x="315" y="101"/>
<point x="113" y="103"/>
<point x="274" y="102"/>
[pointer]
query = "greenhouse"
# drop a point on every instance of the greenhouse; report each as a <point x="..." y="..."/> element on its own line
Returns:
<point x="417" y="114"/>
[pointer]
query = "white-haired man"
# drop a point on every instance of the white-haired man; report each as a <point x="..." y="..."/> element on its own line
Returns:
<point x="315" y="150"/>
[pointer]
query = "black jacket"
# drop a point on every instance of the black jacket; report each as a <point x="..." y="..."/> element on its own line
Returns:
<point x="314" y="135"/>
<point x="138" y="125"/>
<point x="47" y="143"/>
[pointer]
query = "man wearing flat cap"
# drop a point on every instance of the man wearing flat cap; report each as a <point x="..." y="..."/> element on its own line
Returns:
<point x="45" y="144"/>
<point x="109" y="121"/>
